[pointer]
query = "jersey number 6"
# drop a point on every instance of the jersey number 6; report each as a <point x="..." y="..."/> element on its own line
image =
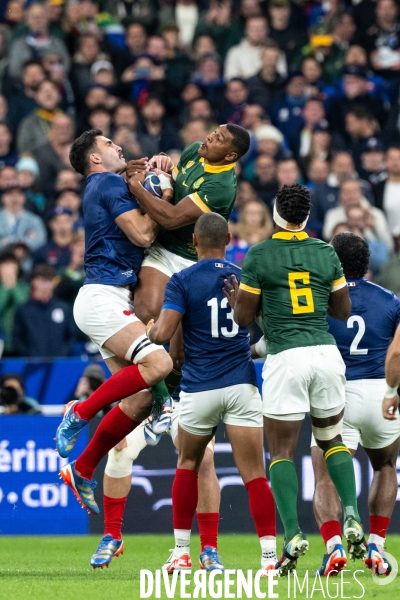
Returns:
<point x="297" y="293"/>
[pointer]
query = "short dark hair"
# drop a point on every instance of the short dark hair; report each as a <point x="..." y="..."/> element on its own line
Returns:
<point x="293" y="203"/>
<point x="44" y="271"/>
<point x="32" y="62"/>
<point x="81" y="148"/>
<point x="353" y="253"/>
<point x="241" y="138"/>
<point x="211" y="229"/>
<point x="8" y="255"/>
<point x="16" y="376"/>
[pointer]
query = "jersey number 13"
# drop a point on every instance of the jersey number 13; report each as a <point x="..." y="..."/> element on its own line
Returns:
<point x="215" y="329"/>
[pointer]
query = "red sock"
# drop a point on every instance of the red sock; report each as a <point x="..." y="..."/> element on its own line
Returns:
<point x="112" y="429"/>
<point x="262" y="506"/>
<point x="378" y="525"/>
<point x="126" y="382"/>
<point x="329" y="529"/>
<point x="208" y="528"/>
<point x="184" y="498"/>
<point x="113" y="515"/>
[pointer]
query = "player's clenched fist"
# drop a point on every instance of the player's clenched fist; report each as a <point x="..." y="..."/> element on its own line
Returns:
<point x="162" y="162"/>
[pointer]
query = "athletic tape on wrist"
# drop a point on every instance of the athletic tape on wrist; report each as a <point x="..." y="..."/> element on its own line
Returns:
<point x="391" y="392"/>
<point x="261" y="347"/>
<point x="280" y="221"/>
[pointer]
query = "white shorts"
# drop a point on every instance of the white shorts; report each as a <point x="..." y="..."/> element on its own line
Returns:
<point x="363" y="420"/>
<point x="165" y="261"/>
<point x="301" y="380"/>
<point x="100" y="311"/>
<point x="200" y="412"/>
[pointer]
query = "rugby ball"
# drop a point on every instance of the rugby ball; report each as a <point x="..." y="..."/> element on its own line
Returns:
<point x="152" y="184"/>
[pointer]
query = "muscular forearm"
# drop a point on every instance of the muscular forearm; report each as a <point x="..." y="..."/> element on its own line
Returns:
<point x="165" y="214"/>
<point x="392" y="366"/>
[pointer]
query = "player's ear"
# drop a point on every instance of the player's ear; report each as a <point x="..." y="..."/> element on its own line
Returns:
<point x="195" y="240"/>
<point x="228" y="238"/>
<point x="231" y="157"/>
<point x="95" y="158"/>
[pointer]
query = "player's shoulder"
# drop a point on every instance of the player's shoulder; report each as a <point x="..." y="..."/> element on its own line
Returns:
<point x="377" y="290"/>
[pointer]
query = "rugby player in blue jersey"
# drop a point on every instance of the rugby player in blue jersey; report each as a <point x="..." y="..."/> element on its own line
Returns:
<point x="363" y="341"/>
<point x="116" y="233"/>
<point x="218" y="383"/>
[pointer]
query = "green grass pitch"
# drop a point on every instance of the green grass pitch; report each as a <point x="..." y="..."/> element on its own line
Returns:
<point x="57" y="568"/>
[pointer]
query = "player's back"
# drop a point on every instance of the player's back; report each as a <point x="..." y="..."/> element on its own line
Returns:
<point x="217" y="350"/>
<point x="110" y="258"/>
<point x="294" y="275"/>
<point x="363" y="339"/>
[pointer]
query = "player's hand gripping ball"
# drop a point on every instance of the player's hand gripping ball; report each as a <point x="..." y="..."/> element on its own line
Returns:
<point x="152" y="184"/>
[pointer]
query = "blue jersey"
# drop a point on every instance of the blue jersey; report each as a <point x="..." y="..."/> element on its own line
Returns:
<point x="110" y="258"/>
<point x="217" y="350"/>
<point x="364" y="339"/>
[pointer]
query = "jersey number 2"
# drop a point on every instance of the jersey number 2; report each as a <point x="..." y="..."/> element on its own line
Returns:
<point x="354" y="349"/>
<point x="296" y="293"/>
<point x="225" y="332"/>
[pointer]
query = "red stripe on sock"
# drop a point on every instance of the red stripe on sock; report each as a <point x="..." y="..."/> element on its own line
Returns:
<point x="262" y="506"/>
<point x="208" y="529"/>
<point x="184" y="498"/>
<point x="113" y="516"/>
<point x="329" y="529"/>
<point x="378" y="525"/>
<point x="125" y="383"/>
<point x="113" y="428"/>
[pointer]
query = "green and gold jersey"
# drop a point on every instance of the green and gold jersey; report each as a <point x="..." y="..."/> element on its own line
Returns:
<point x="294" y="275"/>
<point x="212" y="188"/>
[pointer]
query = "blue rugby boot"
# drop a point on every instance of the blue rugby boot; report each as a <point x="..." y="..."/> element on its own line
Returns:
<point x="68" y="430"/>
<point x="106" y="550"/>
<point x="82" y="488"/>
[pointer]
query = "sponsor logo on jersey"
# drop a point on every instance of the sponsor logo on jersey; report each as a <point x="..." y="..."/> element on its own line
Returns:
<point x="189" y="164"/>
<point x="127" y="273"/>
<point x="351" y="284"/>
<point x="219" y="265"/>
<point x="128" y="313"/>
<point x="198" y="183"/>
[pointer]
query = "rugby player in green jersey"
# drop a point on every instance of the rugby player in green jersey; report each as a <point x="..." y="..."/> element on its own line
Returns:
<point x="296" y="281"/>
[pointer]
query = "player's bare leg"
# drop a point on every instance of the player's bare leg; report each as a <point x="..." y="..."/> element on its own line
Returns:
<point x="149" y="293"/>
<point x="248" y="453"/>
<point x="381" y="501"/>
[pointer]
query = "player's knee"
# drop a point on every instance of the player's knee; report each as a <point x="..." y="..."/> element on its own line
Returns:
<point x="119" y="463"/>
<point x="157" y="366"/>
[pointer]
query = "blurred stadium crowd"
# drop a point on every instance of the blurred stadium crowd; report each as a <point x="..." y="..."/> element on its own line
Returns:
<point x="315" y="83"/>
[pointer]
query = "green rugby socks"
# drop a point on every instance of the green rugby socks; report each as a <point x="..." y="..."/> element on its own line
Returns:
<point x="285" y="487"/>
<point x="341" y="470"/>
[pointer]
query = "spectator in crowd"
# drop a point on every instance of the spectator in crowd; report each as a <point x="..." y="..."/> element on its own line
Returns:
<point x="13" y="293"/>
<point x="53" y="155"/>
<point x="320" y="147"/>
<point x="153" y="123"/>
<point x="267" y="86"/>
<point x="361" y="126"/>
<point x="56" y="252"/>
<point x="382" y="39"/>
<point x="287" y="172"/>
<point x="343" y="30"/>
<point x="209" y="78"/>
<point x="71" y="200"/>
<point x="87" y="55"/>
<point x="254" y="226"/>
<point x="33" y="130"/>
<point x="28" y="175"/>
<point x="286" y="114"/>
<point x="13" y="399"/>
<point x="232" y="109"/>
<point x="7" y="156"/>
<point x="313" y="114"/>
<point x="373" y="166"/>
<point x="92" y="378"/>
<point x="44" y="325"/>
<point x="287" y="34"/>
<point x="318" y="172"/>
<point x="73" y="276"/>
<point x="265" y="183"/>
<point x="18" y="224"/>
<point x="67" y="179"/>
<point x="269" y="141"/>
<point x="351" y="196"/>
<point x="36" y="42"/>
<point x="195" y="131"/>
<point x="387" y="192"/>
<point x="244" y="60"/>
<point x="136" y="44"/>
<point x="362" y="219"/>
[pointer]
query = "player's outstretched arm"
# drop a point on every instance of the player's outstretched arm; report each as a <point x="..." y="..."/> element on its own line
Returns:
<point x="140" y="229"/>
<point x="339" y="305"/>
<point x="392" y="373"/>
<point x="164" y="328"/>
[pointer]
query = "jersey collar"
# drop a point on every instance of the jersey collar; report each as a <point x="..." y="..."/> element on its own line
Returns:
<point x="289" y="235"/>
<point x="217" y="168"/>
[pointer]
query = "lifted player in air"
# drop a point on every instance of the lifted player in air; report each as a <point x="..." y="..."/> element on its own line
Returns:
<point x="219" y="383"/>
<point x="116" y="233"/>
<point x="295" y="281"/>
<point x="363" y="341"/>
<point x="204" y="181"/>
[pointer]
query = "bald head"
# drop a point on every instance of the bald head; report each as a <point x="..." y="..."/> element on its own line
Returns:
<point x="211" y="232"/>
